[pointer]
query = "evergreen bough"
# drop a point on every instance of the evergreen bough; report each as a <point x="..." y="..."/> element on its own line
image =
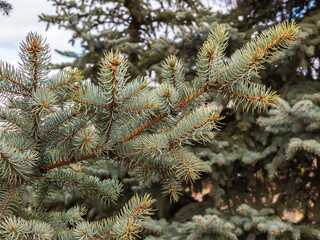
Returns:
<point x="55" y="125"/>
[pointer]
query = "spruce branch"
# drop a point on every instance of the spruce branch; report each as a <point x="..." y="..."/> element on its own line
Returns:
<point x="51" y="122"/>
<point x="16" y="166"/>
<point x="248" y="60"/>
<point x="107" y="190"/>
<point x="66" y="79"/>
<point x="66" y="161"/>
<point x="249" y="95"/>
<point x="134" y="88"/>
<point x="127" y="224"/>
<point x="60" y="118"/>
<point x="194" y="126"/>
<point x="11" y="120"/>
<point x="242" y="65"/>
<point x="283" y="117"/>
<point x="18" y="228"/>
<point x="113" y="74"/>
<point x="91" y="103"/>
<point x="166" y="100"/>
<point x="172" y="72"/>
<point x="210" y="61"/>
<point x="11" y="79"/>
<point x="74" y="215"/>
<point x="124" y="226"/>
<point x="297" y="144"/>
<point x="35" y="59"/>
<point x="8" y="200"/>
<point x="188" y="166"/>
<point x="143" y="127"/>
<point x="171" y="186"/>
<point x="192" y="96"/>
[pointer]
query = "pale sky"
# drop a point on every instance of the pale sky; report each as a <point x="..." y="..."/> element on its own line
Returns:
<point x="23" y="19"/>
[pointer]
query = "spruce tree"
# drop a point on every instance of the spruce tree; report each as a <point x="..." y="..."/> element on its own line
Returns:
<point x="120" y="25"/>
<point x="54" y="127"/>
